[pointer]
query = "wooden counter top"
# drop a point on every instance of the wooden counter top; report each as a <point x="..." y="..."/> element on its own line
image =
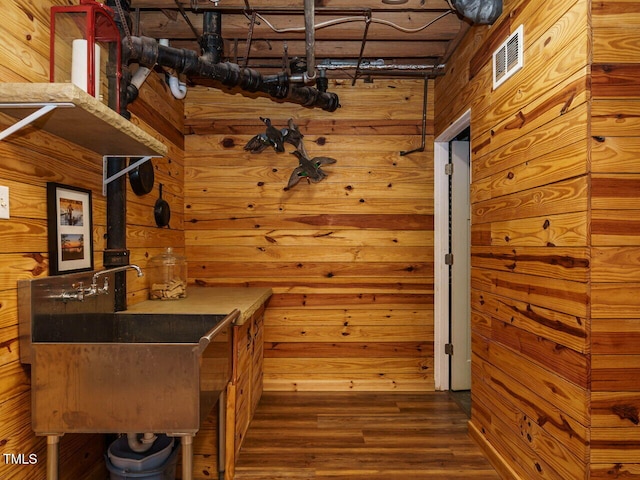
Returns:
<point x="209" y="300"/>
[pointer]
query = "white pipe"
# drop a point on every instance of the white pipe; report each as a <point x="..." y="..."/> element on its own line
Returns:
<point x="178" y="88"/>
<point x="140" y="76"/>
<point x="143" y="444"/>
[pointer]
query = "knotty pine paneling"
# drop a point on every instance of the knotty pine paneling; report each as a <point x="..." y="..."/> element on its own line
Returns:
<point x="564" y="129"/>
<point x="350" y="259"/>
<point x="30" y="159"/>
<point x="531" y="256"/>
<point x="615" y="436"/>
<point x="538" y="454"/>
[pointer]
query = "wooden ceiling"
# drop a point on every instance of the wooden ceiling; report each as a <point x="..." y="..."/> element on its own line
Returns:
<point x="266" y="34"/>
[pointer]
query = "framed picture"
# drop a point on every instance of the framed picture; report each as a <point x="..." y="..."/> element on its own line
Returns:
<point x="70" y="229"/>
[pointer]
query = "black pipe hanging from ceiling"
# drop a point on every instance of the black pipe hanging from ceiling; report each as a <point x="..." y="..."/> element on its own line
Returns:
<point x="149" y="53"/>
<point x="481" y="12"/>
<point x="211" y="41"/>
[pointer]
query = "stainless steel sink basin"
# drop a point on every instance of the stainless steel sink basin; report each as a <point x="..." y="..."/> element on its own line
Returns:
<point x="128" y="373"/>
<point x="122" y="328"/>
<point x="98" y="371"/>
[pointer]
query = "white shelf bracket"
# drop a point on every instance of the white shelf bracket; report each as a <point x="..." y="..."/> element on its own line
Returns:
<point x="107" y="180"/>
<point x="43" y="110"/>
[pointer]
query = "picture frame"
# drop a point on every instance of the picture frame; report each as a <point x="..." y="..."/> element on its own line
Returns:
<point x="70" y="229"/>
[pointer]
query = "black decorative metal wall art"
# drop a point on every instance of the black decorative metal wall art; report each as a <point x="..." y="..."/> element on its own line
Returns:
<point x="308" y="168"/>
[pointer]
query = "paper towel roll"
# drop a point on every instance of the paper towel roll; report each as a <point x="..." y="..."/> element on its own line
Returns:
<point x="79" y="65"/>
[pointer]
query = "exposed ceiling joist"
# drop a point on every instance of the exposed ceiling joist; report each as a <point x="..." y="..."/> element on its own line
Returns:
<point x="418" y="31"/>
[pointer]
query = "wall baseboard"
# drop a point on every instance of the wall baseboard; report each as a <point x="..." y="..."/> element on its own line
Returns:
<point x="496" y="460"/>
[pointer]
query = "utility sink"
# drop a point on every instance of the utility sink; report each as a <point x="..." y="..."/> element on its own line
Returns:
<point x="104" y="372"/>
<point x="128" y="373"/>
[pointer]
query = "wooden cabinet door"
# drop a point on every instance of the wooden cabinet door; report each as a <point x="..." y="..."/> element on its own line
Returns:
<point x="245" y="388"/>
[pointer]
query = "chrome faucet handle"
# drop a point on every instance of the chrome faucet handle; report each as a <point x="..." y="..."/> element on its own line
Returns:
<point x="77" y="294"/>
<point x="105" y="286"/>
<point x="80" y="291"/>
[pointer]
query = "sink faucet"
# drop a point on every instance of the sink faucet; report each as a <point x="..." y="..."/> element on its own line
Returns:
<point x="81" y="292"/>
<point x="95" y="290"/>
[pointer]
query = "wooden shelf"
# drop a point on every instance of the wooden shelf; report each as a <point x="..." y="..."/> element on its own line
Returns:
<point x="78" y="117"/>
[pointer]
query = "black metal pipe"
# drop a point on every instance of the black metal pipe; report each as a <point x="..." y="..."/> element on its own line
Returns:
<point x="312" y="97"/>
<point x="116" y="253"/>
<point x="211" y="40"/>
<point x="148" y="52"/>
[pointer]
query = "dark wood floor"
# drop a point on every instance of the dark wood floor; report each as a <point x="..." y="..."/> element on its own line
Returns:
<point x="352" y="436"/>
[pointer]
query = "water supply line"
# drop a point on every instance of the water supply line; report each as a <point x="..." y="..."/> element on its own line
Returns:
<point x="310" y="40"/>
<point x="140" y="445"/>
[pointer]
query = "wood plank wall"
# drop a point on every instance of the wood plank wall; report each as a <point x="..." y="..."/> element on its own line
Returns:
<point x="615" y="166"/>
<point x="349" y="259"/>
<point x="28" y="160"/>
<point x="530" y="237"/>
<point x="554" y="247"/>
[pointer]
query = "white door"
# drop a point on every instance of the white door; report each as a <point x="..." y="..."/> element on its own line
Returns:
<point x="460" y="279"/>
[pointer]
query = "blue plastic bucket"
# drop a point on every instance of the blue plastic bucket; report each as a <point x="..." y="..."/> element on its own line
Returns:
<point x="159" y="463"/>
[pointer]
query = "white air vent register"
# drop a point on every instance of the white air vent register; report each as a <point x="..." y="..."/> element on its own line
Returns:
<point x="508" y="58"/>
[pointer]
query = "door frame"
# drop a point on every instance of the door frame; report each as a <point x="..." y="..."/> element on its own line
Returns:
<point x="441" y="247"/>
